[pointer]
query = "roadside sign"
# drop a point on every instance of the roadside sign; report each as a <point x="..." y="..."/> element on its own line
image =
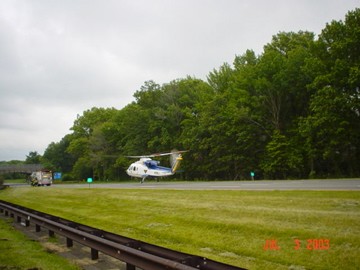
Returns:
<point x="252" y="174"/>
<point x="89" y="180"/>
<point x="57" y="175"/>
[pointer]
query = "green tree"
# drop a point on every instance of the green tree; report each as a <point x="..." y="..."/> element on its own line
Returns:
<point x="332" y="128"/>
<point x="283" y="79"/>
<point x="281" y="158"/>
<point x="81" y="145"/>
<point x="283" y="73"/>
<point x="220" y="131"/>
<point x="33" y="158"/>
<point x="57" y="157"/>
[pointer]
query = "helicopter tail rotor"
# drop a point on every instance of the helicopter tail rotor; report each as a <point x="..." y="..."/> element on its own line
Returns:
<point x="175" y="160"/>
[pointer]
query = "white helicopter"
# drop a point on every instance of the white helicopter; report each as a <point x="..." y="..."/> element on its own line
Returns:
<point x="147" y="167"/>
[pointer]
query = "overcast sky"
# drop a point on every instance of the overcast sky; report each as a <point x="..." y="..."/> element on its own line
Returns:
<point x="61" y="57"/>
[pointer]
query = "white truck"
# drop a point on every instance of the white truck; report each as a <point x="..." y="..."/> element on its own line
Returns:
<point x="41" y="178"/>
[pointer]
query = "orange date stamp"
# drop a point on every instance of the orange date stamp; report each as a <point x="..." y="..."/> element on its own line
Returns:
<point x="309" y="244"/>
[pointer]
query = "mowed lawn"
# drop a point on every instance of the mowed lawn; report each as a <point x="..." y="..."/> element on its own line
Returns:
<point x="250" y="229"/>
<point x="19" y="252"/>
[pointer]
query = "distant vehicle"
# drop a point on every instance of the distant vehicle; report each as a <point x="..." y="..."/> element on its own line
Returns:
<point x="147" y="167"/>
<point x="41" y="178"/>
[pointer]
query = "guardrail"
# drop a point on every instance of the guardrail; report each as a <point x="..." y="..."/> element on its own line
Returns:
<point x="133" y="252"/>
<point x="20" y="168"/>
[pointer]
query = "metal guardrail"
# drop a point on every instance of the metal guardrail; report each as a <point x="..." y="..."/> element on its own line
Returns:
<point x="133" y="252"/>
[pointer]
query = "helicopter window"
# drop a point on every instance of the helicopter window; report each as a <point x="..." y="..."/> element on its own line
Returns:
<point x="152" y="163"/>
<point x="134" y="168"/>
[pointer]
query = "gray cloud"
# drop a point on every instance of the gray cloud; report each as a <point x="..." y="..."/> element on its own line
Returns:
<point x="59" y="58"/>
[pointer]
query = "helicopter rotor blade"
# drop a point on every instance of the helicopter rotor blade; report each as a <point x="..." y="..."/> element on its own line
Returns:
<point x="137" y="156"/>
<point x="167" y="154"/>
<point x="159" y="154"/>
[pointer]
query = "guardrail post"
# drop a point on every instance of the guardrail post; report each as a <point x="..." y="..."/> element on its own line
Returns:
<point x="69" y="242"/>
<point x="130" y="266"/>
<point x="37" y="228"/>
<point x="94" y="254"/>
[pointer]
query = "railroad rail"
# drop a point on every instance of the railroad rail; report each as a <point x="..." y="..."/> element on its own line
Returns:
<point x="135" y="253"/>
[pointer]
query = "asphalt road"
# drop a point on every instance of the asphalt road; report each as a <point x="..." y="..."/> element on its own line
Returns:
<point x="344" y="184"/>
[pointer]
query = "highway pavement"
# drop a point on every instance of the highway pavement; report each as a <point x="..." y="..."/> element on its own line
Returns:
<point x="336" y="184"/>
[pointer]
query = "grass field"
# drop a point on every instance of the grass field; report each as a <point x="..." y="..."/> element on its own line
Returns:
<point x="251" y="229"/>
<point x="18" y="252"/>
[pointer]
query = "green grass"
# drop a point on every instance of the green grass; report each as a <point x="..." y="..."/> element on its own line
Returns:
<point x="18" y="252"/>
<point x="15" y="181"/>
<point x="228" y="226"/>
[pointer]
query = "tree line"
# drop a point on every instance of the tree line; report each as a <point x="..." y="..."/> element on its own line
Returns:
<point x="291" y="112"/>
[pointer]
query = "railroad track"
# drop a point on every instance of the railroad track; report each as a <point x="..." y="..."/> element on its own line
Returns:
<point x="135" y="253"/>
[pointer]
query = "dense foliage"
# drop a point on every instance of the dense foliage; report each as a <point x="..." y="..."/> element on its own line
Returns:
<point x="291" y="112"/>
